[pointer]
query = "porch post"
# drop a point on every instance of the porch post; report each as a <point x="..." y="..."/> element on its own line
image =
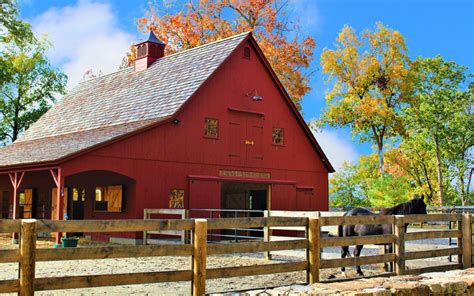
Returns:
<point x="59" y="202"/>
<point x="16" y="184"/>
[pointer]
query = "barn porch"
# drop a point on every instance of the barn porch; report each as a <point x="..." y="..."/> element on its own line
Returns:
<point x="46" y="193"/>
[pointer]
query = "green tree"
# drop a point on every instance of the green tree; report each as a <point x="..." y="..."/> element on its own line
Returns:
<point x="346" y="189"/>
<point x="442" y="116"/>
<point x="11" y="28"/>
<point x="388" y="191"/>
<point x="29" y="87"/>
<point x="416" y="159"/>
<point x="371" y="81"/>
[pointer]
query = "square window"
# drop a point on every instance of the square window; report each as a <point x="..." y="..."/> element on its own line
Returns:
<point x="211" y="127"/>
<point x="278" y="136"/>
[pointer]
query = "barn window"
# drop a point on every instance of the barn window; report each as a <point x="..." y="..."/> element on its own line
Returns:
<point x="78" y="194"/>
<point x="176" y="199"/>
<point x="211" y="127"/>
<point x="141" y="51"/>
<point x="246" y="52"/>
<point x="278" y="134"/>
<point x="108" y="199"/>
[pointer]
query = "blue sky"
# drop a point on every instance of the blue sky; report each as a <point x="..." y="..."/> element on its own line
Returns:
<point x="95" y="34"/>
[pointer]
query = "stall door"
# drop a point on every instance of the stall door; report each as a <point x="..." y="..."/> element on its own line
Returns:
<point x="54" y="192"/>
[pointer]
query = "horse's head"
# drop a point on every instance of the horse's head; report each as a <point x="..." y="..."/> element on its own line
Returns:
<point x="418" y="206"/>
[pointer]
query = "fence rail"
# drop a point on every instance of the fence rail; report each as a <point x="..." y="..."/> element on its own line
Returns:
<point x="199" y="249"/>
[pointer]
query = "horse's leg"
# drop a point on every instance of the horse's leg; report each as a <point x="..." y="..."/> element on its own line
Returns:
<point x="357" y="251"/>
<point x="344" y="253"/>
<point x="387" y="266"/>
<point x="390" y="250"/>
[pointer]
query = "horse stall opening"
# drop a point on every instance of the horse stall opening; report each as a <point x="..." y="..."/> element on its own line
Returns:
<point x="249" y="198"/>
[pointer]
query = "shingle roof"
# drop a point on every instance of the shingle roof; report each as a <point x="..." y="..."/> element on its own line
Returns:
<point x="112" y="105"/>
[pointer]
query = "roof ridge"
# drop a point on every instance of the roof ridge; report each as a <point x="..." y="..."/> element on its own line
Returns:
<point x="166" y="56"/>
<point x="213" y="42"/>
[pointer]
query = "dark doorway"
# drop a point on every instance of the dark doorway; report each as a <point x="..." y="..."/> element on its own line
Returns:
<point x="78" y="198"/>
<point x="243" y="200"/>
<point x="5" y="204"/>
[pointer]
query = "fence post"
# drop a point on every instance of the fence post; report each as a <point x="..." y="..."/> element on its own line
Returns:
<point x="267" y="234"/>
<point x="467" y="240"/>
<point x="199" y="257"/>
<point x="314" y="250"/>
<point x="27" y="256"/>
<point x="399" y="231"/>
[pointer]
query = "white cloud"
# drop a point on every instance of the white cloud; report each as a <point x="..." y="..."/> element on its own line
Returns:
<point x="337" y="148"/>
<point x="85" y="36"/>
<point x="307" y="12"/>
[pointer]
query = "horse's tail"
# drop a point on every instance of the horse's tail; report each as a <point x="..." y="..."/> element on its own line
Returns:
<point x="339" y="230"/>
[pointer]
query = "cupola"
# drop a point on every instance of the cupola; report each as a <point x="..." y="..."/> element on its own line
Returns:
<point x="148" y="52"/>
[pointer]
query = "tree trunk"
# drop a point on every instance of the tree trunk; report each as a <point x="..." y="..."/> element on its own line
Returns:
<point x="440" y="174"/>
<point x="15" y="127"/>
<point x="381" y="162"/>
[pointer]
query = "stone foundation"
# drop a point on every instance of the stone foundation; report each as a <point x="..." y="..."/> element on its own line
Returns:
<point x="455" y="282"/>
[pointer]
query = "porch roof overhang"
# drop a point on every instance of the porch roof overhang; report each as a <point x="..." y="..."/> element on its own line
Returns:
<point x="50" y="152"/>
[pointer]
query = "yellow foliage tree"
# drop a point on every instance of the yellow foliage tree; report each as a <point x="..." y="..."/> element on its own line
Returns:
<point x="204" y="21"/>
<point x="371" y="80"/>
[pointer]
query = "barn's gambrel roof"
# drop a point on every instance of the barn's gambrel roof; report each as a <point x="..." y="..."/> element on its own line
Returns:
<point x="112" y="106"/>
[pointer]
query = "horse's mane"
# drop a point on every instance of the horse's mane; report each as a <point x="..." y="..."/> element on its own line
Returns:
<point x="401" y="209"/>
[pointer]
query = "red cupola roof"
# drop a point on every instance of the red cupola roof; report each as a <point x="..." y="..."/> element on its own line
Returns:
<point x="148" y="52"/>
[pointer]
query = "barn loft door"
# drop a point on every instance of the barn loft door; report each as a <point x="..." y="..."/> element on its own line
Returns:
<point x="245" y="139"/>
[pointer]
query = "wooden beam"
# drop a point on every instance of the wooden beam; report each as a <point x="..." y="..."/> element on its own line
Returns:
<point x="399" y="231"/>
<point x="255" y="247"/>
<point x="8" y="226"/>
<point x="251" y="222"/>
<point x="314" y="250"/>
<point x="226" y="272"/>
<point x="432" y="234"/>
<point x="438" y="268"/>
<point x="431" y="253"/>
<point x="432" y="217"/>
<point x="7" y="256"/>
<point x="199" y="257"/>
<point x="467" y="240"/>
<point x="112" y="252"/>
<point x="363" y="260"/>
<point x="27" y="257"/>
<point x="356" y="240"/>
<point x="9" y="286"/>
<point x="89" y="281"/>
<point x="355" y="220"/>
<point x="114" y="225"/>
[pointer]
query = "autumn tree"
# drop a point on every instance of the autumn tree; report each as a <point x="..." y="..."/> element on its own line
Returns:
<point x="416" y="160"/>
<point x="371" y="80"/>
<point x="204" y="21"/>
<point x="442" y="117"/>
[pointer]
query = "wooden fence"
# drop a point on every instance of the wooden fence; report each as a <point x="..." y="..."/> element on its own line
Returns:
<point x="313" y="243"/>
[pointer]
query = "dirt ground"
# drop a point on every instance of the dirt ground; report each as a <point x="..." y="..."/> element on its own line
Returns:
<point x="149" y="264"/>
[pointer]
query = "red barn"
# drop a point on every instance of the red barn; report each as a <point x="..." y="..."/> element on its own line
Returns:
<point x="207" y="128"/>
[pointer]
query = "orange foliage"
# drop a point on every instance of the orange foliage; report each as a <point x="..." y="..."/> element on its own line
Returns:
<point x="204" y="21"/>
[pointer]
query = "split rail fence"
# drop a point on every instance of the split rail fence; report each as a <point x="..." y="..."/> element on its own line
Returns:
<point x="199" y="249"/>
